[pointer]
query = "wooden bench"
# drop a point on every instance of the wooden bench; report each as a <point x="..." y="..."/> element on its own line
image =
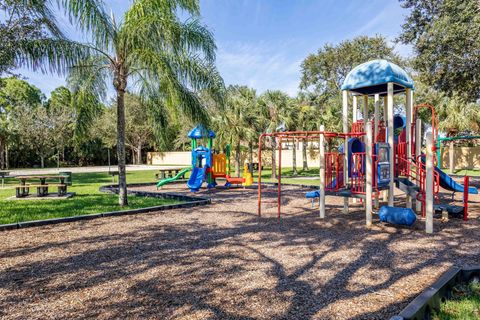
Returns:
<point x="42" y="189"/>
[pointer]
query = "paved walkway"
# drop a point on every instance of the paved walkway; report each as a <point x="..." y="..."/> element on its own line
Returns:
<point x="87" y="169"/>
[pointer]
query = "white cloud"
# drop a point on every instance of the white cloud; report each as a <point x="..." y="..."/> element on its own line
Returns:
<point x="262" y="65"/>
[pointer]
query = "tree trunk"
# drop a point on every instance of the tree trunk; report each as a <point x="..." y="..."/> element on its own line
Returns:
<point x="237" y="159"/>
<point x="250" y="152"/>
<point x="2" y="156"/>
<point x="7" y="165"/>
<point x="139" y="154"/>
<point x="304" y="155"/>
<point x="294" y="158"/>
<point x="134" y="155"/>
<point x="451" y="157"/>
<point x="42" y="162"/>
<point x="122" y="177"/>
<point x="274" y="158"/>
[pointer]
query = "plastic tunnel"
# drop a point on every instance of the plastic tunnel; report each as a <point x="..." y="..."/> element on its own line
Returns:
<point x="355" y="145"/>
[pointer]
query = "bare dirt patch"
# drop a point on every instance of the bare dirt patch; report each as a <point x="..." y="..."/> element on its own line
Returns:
<point x="221" y="261"/>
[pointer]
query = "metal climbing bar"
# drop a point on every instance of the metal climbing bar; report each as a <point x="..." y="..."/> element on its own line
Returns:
<point x="336" y="174"/>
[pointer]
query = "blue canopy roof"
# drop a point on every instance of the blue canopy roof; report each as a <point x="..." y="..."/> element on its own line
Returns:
<point x="200" y="132"/>
<point x="372" y="77"/>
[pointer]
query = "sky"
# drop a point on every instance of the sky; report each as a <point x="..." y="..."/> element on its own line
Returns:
<point x="261" y="43"/>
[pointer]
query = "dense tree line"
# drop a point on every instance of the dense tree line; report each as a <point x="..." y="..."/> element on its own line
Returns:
<point x="238" y="121"/>
<point x="162" y="70"/>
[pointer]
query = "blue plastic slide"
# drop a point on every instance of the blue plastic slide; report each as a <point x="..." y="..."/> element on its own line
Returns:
<point x="448" y="183"/>
<point x="196" y="178"/>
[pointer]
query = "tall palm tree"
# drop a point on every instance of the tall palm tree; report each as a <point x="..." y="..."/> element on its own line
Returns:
<point x="151" y="50"/>
<point x="307" y="120"/>
<point x="274" y="106"/>
<point x="292" y="122"/>
<point x="237" y="124"/>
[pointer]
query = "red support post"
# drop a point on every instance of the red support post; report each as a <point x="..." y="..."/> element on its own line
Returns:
<point x="466" y="181"/>
<point x="260" y="175"/>
<point x="279" y="190"/>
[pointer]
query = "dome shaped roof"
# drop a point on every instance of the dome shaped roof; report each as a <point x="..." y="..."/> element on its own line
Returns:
<point x="372" y="77"/>
<point x="200" y="132"/>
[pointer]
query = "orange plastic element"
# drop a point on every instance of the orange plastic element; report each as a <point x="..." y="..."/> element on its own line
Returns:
<point x="219" y="165"/>
<point x="238" y="180"/>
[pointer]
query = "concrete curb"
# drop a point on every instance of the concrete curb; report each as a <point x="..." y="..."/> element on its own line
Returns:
<point x="188" y="203"/>
<point x="430" y="299"/>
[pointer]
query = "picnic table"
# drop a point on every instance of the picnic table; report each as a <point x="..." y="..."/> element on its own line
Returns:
<point x="23" y="189"/>
<point x="168" y="173"/>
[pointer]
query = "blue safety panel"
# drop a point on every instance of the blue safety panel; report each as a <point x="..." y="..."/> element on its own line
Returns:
<point x="372" y="77"/>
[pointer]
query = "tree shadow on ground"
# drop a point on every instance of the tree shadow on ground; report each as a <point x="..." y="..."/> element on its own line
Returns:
<point x="191" y="262"/>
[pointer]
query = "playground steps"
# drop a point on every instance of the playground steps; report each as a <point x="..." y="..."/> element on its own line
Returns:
<point x="449" y="208"/>
<point x="412" y="190"/>
<point x="407" y="186"/>
<point x="344" y="193"/>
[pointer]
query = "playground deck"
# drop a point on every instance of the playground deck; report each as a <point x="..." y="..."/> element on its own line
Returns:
<point x="221" y="261"/>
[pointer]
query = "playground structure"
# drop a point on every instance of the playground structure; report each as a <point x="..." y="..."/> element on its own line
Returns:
<point x="207" y="166"/>
<point x="378" y="154"/>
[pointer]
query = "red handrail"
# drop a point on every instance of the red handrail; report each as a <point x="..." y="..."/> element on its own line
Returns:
<point x="334" y="171"/>
<point x="417" y="172"/>
<point x="358" y="174"/>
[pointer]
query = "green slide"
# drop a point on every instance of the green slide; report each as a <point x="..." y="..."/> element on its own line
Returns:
<point x="168" y="180"/>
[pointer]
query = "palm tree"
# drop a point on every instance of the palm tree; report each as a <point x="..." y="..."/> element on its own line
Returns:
<point x="238" y="123"/>
<point x="307" y="119"/>
<point x="292" y="122"/>
<point x="274" y="106"/>
<point x="151" y="50"/>
<point x="458" y="116"/>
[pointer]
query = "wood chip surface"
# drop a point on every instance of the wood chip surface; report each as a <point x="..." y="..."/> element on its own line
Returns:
<point x="222" y="261"/>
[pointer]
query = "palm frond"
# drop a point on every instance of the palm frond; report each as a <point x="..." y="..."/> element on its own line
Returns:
<point x="54" y="55"/>
<point x="197" y="37"/>
<point x="42" y="10"/>
<point x="180" y="79"/>
<point x="87" y="80"/>
<point x="90" y="75"/>
<point x="92" y="18"/>
<point x="164" y="7"/>
<point x="159" y="116"/>
<point x="166" y="33"/>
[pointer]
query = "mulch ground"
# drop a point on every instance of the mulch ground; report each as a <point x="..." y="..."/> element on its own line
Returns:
<point x="221" y="261"/>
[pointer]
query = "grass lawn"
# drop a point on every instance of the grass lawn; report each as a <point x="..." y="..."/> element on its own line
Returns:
<point x="88" y="199"/>
<point x="307" y="177"/>
<point x="465" y="304"/>
<point x="473" y="173"/>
